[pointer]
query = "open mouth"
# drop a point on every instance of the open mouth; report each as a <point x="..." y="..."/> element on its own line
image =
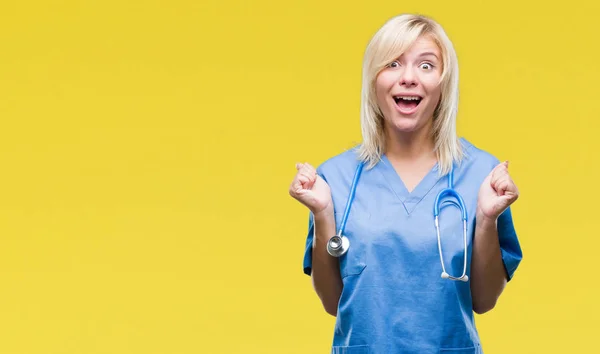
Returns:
<point x="407" y="103"/>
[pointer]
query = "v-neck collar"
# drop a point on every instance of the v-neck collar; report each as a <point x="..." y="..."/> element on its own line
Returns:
<point x="408" y="199"/>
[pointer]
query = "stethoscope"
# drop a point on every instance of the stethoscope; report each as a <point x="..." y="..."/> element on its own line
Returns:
<point x="338" y="245"/>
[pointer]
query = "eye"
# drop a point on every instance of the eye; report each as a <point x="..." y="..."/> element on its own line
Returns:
<point x="394" y="64"/>
<point x="426" y="66"/>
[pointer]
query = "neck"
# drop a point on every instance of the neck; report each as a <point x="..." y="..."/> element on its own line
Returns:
<point x="412" y="146"/>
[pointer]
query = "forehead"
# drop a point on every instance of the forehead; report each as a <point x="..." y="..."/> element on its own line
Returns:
<point x="423" y="45"/>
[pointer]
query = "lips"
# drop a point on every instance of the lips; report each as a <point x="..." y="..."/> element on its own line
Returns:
<point x="407" y="104"/>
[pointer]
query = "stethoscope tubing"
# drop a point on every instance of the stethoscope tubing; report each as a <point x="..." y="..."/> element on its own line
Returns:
<point x="339" y="244"/>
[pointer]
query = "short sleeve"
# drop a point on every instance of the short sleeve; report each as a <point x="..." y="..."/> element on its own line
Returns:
<point x="307" y="263"/>
<point x="509" y="243"/>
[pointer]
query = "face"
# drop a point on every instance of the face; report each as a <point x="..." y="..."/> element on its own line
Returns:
<point x="408" y="89"/>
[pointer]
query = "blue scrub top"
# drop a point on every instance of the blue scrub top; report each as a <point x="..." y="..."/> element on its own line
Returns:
<point x="394" y="299"/>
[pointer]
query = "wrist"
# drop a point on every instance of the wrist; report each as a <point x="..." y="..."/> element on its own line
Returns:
<point x="324" y="214"/>
<point x="485" y="222"/>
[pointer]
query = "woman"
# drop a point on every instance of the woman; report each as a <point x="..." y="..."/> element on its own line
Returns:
<point x="399" y="288"/>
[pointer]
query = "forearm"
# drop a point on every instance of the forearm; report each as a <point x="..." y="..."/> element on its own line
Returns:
<point x="488" y="277"/>
<point x="325" y="276"/>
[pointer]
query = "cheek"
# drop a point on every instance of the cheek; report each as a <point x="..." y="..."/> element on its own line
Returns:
<point x="436" y="95"/>
<point x="434" y="91"/>
<point x="381" y="93"/>
<point x="383" y="85"/>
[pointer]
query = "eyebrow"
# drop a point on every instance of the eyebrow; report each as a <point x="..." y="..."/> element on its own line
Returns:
<point x="428" y="53"/>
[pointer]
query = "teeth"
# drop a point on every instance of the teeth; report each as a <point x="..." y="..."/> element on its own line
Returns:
<point x="408" y="98"/>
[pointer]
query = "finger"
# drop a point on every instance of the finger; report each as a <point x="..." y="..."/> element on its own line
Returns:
<point x="502" y="184"/>
<point x="310" y="167"/>
<point x="300" y="184"/>
<point x="299" y="166"/>
<point x="295" y="187"/>
<point x="307" y="167"/>
<point x="511" y="187"/>
<point x="507" y="186"/>
<point x="495" y="185"/>
<point x="308" y="170"/>
<point x="297" y="182"/>
<point x="499" y="167"/>
<point x="499" y="175"/>
<point x="510" y="195"/>
<point x="309" y="179"/>
<point x="498" y="172"/>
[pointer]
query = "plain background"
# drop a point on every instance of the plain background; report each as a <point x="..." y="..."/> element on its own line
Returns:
<point x="146" y="150"/>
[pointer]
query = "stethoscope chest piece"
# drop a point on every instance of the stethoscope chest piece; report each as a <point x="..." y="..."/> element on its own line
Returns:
<point x="337" y="246"/>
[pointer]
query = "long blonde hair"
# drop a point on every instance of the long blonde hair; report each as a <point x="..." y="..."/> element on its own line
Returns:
<point x="388" y="43"/>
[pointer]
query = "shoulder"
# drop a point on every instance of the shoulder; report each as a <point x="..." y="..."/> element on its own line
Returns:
<point x="477" y="157"/>
<point x="340" y="164"/>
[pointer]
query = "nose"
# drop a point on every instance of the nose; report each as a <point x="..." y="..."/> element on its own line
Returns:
<point x="408" y="77"/>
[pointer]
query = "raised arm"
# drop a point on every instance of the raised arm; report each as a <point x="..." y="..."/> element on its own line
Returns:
<point x="488" y="274"/>
<point x="312" y="191"/>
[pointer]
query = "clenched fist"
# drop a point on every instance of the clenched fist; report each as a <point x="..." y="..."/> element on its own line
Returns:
<point x="311" y="190"/>
<point x="497" y="193"/>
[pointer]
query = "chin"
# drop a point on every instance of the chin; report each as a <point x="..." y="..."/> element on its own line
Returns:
<point x="405" y="125"/>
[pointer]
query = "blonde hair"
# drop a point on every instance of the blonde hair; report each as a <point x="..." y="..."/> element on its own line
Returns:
<point x="390" y="41"/>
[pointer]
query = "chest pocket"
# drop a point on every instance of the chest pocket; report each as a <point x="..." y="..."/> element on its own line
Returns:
<point x="355" y="260"/>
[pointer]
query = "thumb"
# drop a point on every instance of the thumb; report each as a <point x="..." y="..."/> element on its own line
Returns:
<point x="498" y="166"/>
<point x="507" y="199"/>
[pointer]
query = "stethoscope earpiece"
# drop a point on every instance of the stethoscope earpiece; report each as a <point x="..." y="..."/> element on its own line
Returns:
<point x="337" y="246"/>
